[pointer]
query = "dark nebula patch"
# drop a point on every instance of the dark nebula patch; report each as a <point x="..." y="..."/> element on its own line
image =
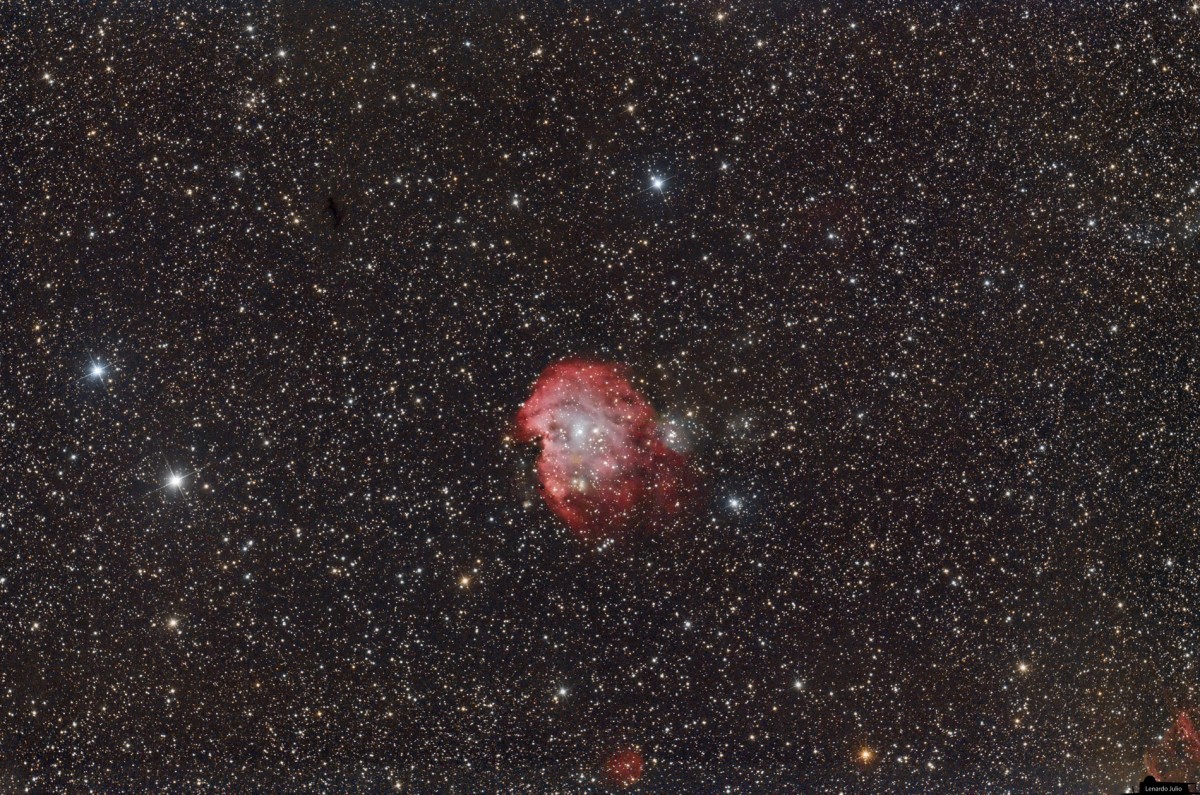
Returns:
<point x="335" y="212"/>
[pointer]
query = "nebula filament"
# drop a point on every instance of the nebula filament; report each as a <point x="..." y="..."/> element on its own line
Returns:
<point x="1177" y="756"/>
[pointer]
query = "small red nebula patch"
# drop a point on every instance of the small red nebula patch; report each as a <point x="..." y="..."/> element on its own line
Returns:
<point x="625" y="767"/>
<point x="604" y="468"/>
<point x="1177" y="757"/>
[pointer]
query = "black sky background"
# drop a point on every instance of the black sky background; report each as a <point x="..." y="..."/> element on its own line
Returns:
<point x="923" y="274"/>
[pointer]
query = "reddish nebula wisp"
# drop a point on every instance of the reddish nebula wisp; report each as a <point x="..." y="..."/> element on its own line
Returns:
<point x="625" y="767"/>
<point x="1177" y="757"/>
<point x="604" y="467"/>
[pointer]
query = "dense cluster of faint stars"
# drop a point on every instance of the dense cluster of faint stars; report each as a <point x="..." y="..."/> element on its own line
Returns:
<point x="915" y="286"/>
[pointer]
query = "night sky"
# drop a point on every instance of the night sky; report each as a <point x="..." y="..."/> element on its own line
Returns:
<point x="907" y="296"/>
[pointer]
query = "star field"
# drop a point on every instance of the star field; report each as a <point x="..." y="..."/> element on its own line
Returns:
<point x="913" y="286"/>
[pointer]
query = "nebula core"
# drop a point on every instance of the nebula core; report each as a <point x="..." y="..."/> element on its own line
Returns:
<point x="604" y="468"/>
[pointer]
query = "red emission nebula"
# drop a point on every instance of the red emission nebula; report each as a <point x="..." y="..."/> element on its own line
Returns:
<point x="604" y="467"/>
<point x="625" y="767"/>
<point x="1177" y="756"/>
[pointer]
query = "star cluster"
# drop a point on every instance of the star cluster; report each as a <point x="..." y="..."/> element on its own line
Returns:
<point x="913" y="284"/>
